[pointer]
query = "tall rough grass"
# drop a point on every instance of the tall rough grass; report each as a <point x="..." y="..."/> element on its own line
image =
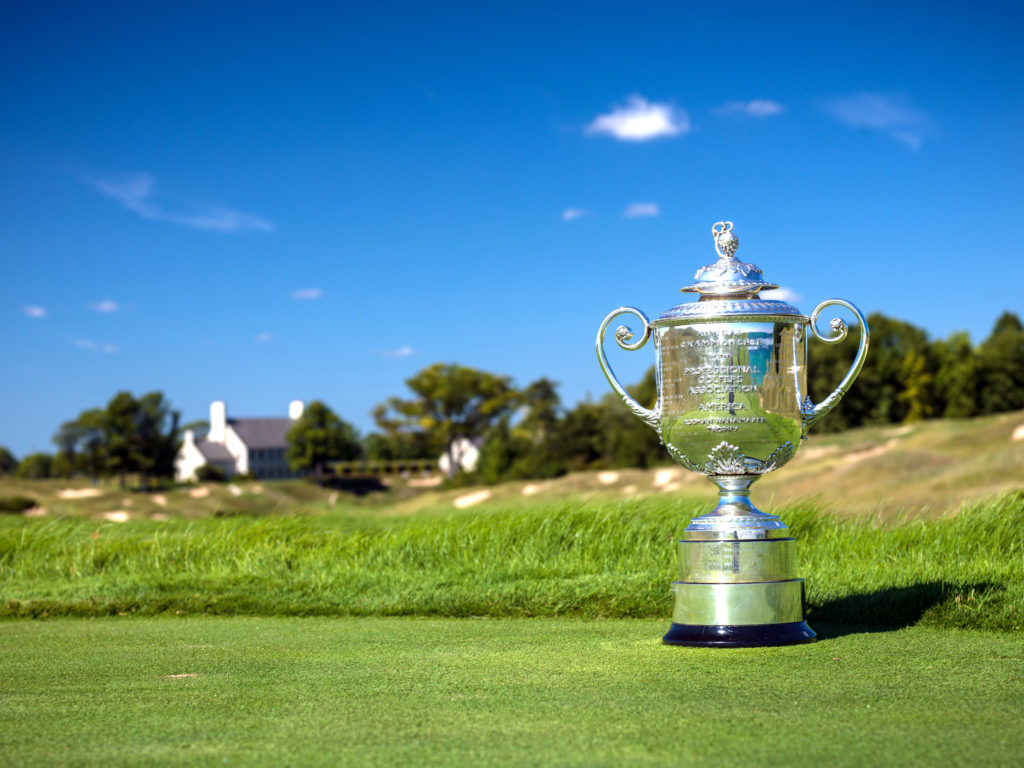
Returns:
<point x="562" y="559"/>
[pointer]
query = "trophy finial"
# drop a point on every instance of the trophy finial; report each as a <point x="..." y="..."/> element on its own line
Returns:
<point x="726" y="241"/>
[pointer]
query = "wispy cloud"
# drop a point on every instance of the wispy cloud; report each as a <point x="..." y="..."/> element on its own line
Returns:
<point x="641" y="210"/>
<point x="641" y="120"/>
<point x="34" y="311"/>
<point x="95" y="346"/>
<point x="107" y="305"/>
<point x="264" y="337"/>
<point x="752" y="108"/>
<point x="571" y="214"/>
<point x="136" y="193"/>
<point x="394" y="354"/>
<point x="307" y="294"/>
<point x="891" y="115"/>
<point x="781" y="294"/>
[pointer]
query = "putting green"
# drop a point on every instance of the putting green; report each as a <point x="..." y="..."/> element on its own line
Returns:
<point x="373" y="691"/>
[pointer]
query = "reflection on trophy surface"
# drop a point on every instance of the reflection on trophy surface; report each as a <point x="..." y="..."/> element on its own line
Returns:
<point x="733" y="405"/>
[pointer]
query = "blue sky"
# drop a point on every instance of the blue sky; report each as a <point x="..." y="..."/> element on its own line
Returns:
<point x="261" y="202"/>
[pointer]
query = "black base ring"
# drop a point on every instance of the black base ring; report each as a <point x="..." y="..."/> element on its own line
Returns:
<point x="749" y="636"/>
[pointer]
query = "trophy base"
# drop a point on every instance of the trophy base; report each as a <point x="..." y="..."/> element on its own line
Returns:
<point x="749" y="636"/>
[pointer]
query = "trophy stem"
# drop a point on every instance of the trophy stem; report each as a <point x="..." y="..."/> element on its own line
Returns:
<point x="734" y="495"/>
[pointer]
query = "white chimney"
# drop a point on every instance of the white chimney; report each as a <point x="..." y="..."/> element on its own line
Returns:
<point x="218" y="422"/>
<point x="295" y="409"/>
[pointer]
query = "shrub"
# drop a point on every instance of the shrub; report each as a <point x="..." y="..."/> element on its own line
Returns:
<point x="210" y="473"/>
<point x="16" y="504"/>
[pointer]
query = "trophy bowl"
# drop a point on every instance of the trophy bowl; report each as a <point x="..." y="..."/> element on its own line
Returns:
<point x="733" y="405"/>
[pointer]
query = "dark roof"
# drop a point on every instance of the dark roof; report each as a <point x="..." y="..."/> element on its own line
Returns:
<point x="262" y="433"/>
<point x="214" y="451"/>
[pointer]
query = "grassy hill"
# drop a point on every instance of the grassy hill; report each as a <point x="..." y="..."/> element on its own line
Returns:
<point x="924" y="468"/>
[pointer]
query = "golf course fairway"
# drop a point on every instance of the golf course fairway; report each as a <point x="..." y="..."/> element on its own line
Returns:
<point x="545" y="692"/>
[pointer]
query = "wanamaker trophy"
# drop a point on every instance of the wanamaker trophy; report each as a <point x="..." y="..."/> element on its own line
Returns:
<point x="733" y="405"/>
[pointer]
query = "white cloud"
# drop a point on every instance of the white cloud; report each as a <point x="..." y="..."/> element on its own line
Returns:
<point x="265" y="336"/>
<point x="94" y="346"/>
<point x="136" y="191"/>
<point x="891" y="115"/>
<point x="307" y="294"/>
<point x="641" y="210"/>
<point x="641" y="120"/>
<point x="752" y="108"/>
<point x="106" y="305"/>
<point x="34" y="311"/>
<point x="394" y="354"/>
<point x="570" y="214"/>
<point x="781" y="294"/>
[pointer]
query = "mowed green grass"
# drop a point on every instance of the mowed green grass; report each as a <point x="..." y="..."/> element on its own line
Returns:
<point x="543" y="692"/>
<point x="550" y="559"/>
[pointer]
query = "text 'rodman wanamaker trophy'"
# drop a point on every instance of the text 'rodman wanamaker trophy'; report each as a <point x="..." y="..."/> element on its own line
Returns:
<point x="733" y="405"/>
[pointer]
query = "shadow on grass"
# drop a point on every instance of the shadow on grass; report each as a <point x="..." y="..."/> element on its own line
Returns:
<point x="890" y="609"/>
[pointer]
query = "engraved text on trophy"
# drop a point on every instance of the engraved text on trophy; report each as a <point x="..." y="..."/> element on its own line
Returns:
<point x="739" y="383"/>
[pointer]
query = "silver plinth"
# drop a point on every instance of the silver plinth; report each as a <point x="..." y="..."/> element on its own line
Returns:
<point x="733" y="405"/>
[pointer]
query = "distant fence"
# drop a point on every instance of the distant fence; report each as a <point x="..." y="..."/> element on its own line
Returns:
<point x="378" y="468"/>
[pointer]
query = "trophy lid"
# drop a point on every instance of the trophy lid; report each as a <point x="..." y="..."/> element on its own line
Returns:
<point x="729" y="287"/>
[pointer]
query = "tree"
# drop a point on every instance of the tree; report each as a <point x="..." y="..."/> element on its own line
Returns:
<point x="525" y="444"/>
<point x="158" y="443"/>
<point x="35" y="466"/>
<point x="1001" y="366"/>
<point x="91" y="447"/>
<point x="451" y="402"/>
<point x="66" y="439"/>
<point x="581" y="438"/>
<point x="8" y="464"/>
<point x="957" y="380"/>
<point x="397" y="441"/>
<point x="916" y="396"/>
<point x="881" y="394"/>
<point x="140" y="435"/>
<point x="120" y="434"/>
<point x="319" y="436"/>
<point x="80" y="444"/>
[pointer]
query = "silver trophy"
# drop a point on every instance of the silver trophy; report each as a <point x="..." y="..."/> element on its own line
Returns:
<point x="733" y="405"/>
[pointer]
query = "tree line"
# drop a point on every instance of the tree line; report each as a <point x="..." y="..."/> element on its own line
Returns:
<point x="131" y="435"/>
<point x="527" y="432"/>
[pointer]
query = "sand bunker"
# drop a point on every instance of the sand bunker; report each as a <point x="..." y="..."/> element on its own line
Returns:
<point x="35" y="512"/>
<point x="469" y="499"/>
<point x="159" y="499"/>
<point x="116" y="516"/>
<point x="529" y="490"/>
<point x="665" y="476"/>
<point x="607" y="478"/>
<point x="199" y="493"/>
<point x="1018" y="434"/>
<point x="234" y="490"/>
<point x="425" y="482"/>
<point x="79" y="493"/>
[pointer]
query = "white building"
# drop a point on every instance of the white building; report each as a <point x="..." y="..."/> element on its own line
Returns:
<point x="238" y="446"/>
